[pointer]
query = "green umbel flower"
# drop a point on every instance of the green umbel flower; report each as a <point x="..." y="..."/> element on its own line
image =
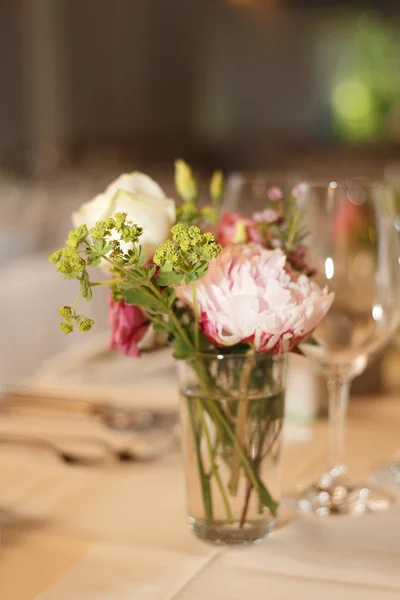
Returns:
<point x="86" y="324"/>
<point x="66" y="327"/>
<point x="77" y="236"/>
<point x="65" y="311"/>
<point x="167" y="252"/>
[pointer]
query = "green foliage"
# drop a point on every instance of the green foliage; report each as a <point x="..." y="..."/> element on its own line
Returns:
<point x="71" y="319"/>
<point x="145" y="299"/>
<point x="186" y="256"/>
<point x="182" y="349"/>
<point x="85" y="324"/>
<point x="77" y="236"/>
<point x="167" y="278"/>
<point x="190" y="213"/>
<point x="183" y="258"/>
<point x="85" y="289"/>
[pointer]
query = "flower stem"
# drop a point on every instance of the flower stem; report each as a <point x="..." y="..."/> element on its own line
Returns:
<point x="214" y="467"/>
<point x="105" y="282"/>
<point x="204" y="478"/>
<point x="196" y="317"/>
<point x="241" y="419"/>
<point x="265" y="496"/>
<point x="258" y="459"/>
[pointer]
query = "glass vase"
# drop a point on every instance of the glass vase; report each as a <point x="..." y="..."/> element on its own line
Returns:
<point x="232" y="416"/>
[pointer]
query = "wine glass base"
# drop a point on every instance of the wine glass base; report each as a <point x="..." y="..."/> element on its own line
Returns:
<point x="388" y="475"/>
<point x="342" y="499"/>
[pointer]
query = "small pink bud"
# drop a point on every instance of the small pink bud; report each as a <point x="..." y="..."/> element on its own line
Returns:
<point x="275" y="194"/>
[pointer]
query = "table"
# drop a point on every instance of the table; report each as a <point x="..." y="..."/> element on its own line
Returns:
<point x="119" y="533"/>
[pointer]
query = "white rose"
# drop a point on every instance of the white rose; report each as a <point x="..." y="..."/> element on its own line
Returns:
<point x="142" y="200"/>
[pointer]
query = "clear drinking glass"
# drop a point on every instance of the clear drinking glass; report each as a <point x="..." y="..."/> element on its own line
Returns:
<point x="232" y="415"/>
<point x="353" y="245"/>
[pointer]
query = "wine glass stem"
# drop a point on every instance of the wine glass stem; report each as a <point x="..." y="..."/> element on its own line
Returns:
<point x="338" y="393"/>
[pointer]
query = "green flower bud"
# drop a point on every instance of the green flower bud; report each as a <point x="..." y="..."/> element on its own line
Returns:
<point x="240" y="233"/>
<point x="180" y="235"/>
<point x="187" y="211"/>
<point x="185" y="183"/>
<point x="128" y="231"/>
<point x="167" y="252"/>
<point x="99" y="230"/>
<point x="109" y="223"/>
<point x="209" y="237"/>
<point x="195" y="235"/>
<point x="55" y="257"/>
<point x="217" y="186"/>
<point x="209" y="214"/>
<point x="77" y="236"/>
<point x="211" y="250"/>
<point x="65" y="311"/>
<point x="86" y="324"/>
<point x="70" y="262"/>
<point x="66" y="327"/>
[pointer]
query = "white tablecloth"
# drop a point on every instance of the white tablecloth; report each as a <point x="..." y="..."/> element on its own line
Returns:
<point x="119" y="532"/>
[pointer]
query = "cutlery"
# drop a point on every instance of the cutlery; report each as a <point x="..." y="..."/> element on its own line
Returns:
<point x="73" y="457"/>
<point x="114" y="417"/>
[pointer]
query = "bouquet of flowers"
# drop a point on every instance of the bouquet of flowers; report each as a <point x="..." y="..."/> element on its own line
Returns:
<point x="233" y="296"/>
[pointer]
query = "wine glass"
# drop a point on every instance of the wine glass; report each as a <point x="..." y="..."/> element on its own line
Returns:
<point x="247" y="192"/>
<point x="353" y="245"/>
<point x="389" y="473"/>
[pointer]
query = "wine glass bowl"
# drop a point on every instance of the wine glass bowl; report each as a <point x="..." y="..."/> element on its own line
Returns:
<point x="353" y="246"/>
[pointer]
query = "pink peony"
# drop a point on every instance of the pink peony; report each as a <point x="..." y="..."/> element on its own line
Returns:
<point x="234" y="228"/>
<point x="267" y="216"/>
<point x="129" y="325"/>
<point x="249" y="296"/>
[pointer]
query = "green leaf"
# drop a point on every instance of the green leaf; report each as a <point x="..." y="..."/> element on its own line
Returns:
<point x="182" y="349"/>
<point x="86" y="290"/>
<point x="201" y="270"/>
<point x="169" y="278"/>
<point x="99" y="245"/>
<point x="70" y="275"/>
<point x="93" y="259"/>
<point x="163" y="327"/>
<point x="170" y="295"/>
<point x="144" y="299"/>
<point x="189" y="277"/>
<point x="141" y="257"/>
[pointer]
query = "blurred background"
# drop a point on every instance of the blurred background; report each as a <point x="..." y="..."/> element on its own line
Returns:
<point x="91" y="88"/>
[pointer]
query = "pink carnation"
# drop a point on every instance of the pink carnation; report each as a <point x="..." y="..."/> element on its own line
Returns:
<point x="229" y="229"/>
<point x="249" y="296"/>
<point x="129" y="325"/>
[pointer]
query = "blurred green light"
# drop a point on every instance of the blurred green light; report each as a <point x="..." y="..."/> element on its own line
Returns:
<point x="352" y="100"/>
